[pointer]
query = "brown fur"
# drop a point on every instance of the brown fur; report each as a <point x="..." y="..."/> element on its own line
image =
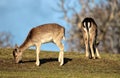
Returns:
<point x="43" y="34"/>
<point x="89" y="30"/>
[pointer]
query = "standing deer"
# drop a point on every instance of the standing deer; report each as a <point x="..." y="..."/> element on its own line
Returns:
<point x="89" y="30"/>
<point x="39" y="35"/>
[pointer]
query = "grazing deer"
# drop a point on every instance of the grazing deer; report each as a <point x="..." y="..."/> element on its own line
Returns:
<point x="39" y="35"/>
<point x="89" y="30"/>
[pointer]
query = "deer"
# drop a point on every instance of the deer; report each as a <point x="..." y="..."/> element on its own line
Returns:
<point x="39" y="35"/>
<point x="89" y="31"/>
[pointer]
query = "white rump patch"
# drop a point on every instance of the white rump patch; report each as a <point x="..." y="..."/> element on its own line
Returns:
<point x="84" y="27"/>
<point x="84" y="24"/>
<point x="88" y="24"/>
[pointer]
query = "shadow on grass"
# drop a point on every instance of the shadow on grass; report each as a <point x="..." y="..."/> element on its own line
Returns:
<point x="45" y="60"/>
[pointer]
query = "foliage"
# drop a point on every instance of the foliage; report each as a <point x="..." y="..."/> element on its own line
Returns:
<point x="5" y="39"/>
<point x="76" y="66"/>
<point x="106" y="14"/>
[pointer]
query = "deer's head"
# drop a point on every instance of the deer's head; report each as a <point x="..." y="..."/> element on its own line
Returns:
<point x="17" y="54"/>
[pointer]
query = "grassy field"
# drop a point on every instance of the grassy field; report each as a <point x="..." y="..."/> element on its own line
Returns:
<point x="76" y="66"/>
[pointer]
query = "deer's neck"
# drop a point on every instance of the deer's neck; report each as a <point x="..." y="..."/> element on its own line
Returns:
<point x="25" y="45"/>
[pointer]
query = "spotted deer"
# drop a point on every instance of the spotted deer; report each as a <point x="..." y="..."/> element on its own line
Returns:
<point x="39" y="35"/>
<point x="89" y="30"/>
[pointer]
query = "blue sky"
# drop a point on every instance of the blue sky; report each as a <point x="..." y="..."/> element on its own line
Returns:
<point x="19" y="16"/>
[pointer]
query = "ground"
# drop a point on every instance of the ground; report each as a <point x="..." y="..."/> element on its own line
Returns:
<point x="76" y="65"/>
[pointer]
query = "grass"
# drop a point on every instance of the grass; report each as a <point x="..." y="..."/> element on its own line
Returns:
<point x="76" y="66"/>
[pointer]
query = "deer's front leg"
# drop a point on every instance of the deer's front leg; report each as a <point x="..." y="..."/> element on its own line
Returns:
<point x="92" y="48"/>
<point x="37" y="55"/>
<point x="97" y="53"/>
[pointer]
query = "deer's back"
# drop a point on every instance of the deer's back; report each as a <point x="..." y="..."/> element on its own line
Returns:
<point x="45" y="33"/>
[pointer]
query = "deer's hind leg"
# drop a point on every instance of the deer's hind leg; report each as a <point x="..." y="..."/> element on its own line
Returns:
<point x="61" y="53"/>
<point x="92" y="46"/>
<point x="86" y="45"/>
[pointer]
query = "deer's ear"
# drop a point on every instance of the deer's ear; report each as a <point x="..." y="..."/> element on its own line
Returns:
<point x="16" y="46"/>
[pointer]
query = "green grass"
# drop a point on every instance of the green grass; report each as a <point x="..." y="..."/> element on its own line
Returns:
<point x="76" y="66"/>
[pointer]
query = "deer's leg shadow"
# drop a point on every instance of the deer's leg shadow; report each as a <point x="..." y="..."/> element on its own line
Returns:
<point x="45" y="60"/>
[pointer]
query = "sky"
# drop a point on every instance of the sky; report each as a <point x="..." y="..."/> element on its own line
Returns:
<point x="19" y="16"/>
